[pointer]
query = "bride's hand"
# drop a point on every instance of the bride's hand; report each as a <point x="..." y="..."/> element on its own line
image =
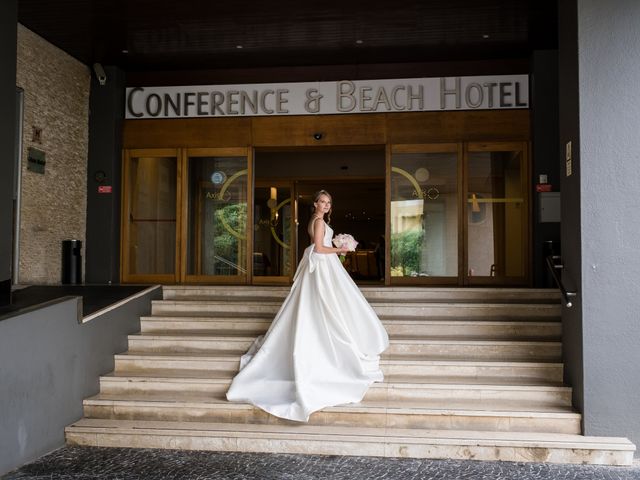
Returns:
<point x="342" y="250"/>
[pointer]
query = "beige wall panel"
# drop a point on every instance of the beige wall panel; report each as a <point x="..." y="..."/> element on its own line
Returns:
<point x="438" y="127"/>
<point x="365" y="129"/>
<point x="187" y="132"/>
<point x="53" y="204"/>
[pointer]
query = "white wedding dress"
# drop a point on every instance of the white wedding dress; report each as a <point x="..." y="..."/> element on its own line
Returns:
<point x="322" y="349"/>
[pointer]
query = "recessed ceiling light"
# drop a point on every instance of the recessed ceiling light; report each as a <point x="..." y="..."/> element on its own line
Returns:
<point x="124" y="50"/>
<point x="359" y="42"/>
<point x="486" y="35"/>
<point x="238" y="46"/>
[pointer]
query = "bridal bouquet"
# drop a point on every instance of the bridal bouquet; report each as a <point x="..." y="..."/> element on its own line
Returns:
<point x="345" y="240"/>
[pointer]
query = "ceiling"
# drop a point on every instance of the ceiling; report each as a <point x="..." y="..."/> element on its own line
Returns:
<point x="165" y="35"/>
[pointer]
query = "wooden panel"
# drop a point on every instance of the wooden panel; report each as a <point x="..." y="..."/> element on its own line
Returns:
<point x="187" y="132"/>
<point x="337" y="130"/>
<point x="425" y="148"/>
<point x="361" y="129"/>
<point x="484" y="125"/>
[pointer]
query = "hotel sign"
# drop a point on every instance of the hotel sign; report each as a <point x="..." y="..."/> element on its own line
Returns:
<point x="362" y="96"/>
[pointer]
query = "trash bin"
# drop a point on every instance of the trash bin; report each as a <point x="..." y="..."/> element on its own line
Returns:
<point x="71" y="261"/>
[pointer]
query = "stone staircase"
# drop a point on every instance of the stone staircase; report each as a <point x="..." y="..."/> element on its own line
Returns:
<point x="469" y="374"/>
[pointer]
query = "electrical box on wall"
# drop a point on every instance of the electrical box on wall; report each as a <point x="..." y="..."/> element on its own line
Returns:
<point x="549" y="207"/>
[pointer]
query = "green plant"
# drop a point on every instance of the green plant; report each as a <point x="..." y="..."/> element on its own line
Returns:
<point x="406" y="251"/>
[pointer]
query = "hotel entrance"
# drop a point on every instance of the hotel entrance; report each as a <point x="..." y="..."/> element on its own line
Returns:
<point x="285" y="184"/>
<point x="434" y="214"/>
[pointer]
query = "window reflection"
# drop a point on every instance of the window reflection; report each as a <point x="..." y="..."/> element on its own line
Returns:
<point x="496" y="214"/>
<point x="217" y="213"/>
<point x="424" y="215"/>
<point x="272" y="231"/>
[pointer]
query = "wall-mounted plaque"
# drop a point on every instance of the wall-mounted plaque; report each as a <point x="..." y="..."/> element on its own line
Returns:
<point x="36" y="160"/>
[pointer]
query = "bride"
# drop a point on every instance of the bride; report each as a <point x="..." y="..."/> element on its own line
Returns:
<point x="323" y="347"/>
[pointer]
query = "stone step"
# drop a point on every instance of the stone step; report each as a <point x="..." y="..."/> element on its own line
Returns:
<point x="393" y="294"/>
<point x="422" y="367"/>
<point x="471" y="348"/>
<point x="403" y="389"/>
<point x="433" y="311"/>
<point x="458" y="414"/>
<point x="504" y="330"/>
<point x="333" y="440"/>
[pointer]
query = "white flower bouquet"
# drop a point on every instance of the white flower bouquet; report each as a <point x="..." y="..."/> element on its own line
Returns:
<point x="345" y="240"/>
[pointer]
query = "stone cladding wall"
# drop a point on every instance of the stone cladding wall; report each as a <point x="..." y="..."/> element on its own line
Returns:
<point x="53" y="204"/>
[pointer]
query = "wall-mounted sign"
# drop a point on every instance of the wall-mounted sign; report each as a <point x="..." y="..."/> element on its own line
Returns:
<point x="105" y="189"/>
<point x="36" y="160"/>
<point x="362" y="96"/>
<point x="218" y="178"/>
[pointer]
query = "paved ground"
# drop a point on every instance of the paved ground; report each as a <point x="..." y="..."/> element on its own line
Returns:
<point x="139" y="464"/>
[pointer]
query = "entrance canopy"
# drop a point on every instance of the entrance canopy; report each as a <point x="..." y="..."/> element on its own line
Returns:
<point x="145" y="35"/>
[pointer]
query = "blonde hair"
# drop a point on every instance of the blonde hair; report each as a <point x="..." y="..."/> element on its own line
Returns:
<point x="317" y="196"/>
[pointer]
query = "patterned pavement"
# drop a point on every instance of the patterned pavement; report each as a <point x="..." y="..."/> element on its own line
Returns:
<point x="92" y="463"/>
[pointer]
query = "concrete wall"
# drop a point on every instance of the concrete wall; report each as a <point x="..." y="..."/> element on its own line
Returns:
<point x="609" y="86"/>
<point x="53" y="204"/>
<point x="48" y="364"/>
<point x="572" y="346"/>
<point x="102" y="259"/>
<point x="8" y="22"/>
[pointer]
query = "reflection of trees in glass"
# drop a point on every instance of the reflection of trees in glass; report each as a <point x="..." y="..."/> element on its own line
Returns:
<point x="406" y="250"/>
<point x="224" y="242"/>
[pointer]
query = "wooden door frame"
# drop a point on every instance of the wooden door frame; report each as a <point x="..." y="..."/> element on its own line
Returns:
<point x="525" y="175"/>
<point x="278" y="279"/>
<point x="187" y="153"/>
<point x="125" y="233"/>
<point x="445" y="147"/>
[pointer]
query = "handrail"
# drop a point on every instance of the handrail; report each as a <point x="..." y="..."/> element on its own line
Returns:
<point x="553" y="267"/>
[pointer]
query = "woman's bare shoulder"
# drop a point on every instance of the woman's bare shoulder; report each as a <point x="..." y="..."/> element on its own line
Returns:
<point x="312" y="224"/>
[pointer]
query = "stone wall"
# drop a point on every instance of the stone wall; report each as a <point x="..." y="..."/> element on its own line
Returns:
<point x="53" y="204"/>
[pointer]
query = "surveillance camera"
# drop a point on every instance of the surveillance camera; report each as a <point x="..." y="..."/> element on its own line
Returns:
<point x="317" y="136"/>
<point x="100" y="73"/>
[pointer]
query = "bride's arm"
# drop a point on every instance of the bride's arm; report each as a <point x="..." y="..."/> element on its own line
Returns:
<point x="318" y="237"/>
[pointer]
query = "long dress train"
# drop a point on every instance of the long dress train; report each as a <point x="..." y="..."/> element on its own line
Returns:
<point x="322" y="349"/>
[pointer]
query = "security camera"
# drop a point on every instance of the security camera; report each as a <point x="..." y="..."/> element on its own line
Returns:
<point x="317" y="136"/>
<point x="100" y="73"/>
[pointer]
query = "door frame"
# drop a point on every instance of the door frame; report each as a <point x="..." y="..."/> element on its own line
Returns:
<point x="125" y="234"/>
<point x="186" y="154"/>
<point x="278" y="279"/>
<point x="525" y="175"/>
<point x="444" y="147"/>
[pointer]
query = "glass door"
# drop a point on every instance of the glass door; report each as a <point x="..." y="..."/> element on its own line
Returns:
<point x="496" y="214"/>
<point x="273" y="232"/>
<point x="150" y="216"/>
<point x="423" y="207"/>
<point x="216" y="193"/>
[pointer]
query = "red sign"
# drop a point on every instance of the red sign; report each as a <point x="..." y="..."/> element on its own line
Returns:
<point x="105" y="189"/>
<point x="543" y="187"/>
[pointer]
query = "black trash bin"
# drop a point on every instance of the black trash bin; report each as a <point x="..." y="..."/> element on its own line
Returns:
<point x="71" y="261"/>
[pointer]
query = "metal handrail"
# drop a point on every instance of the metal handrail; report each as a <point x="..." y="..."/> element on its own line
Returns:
<point x="554" y="267"/>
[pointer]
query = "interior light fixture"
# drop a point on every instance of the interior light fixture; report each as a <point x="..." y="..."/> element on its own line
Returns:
<point x="475" y="206"/>
<point x="422" y="174"/>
